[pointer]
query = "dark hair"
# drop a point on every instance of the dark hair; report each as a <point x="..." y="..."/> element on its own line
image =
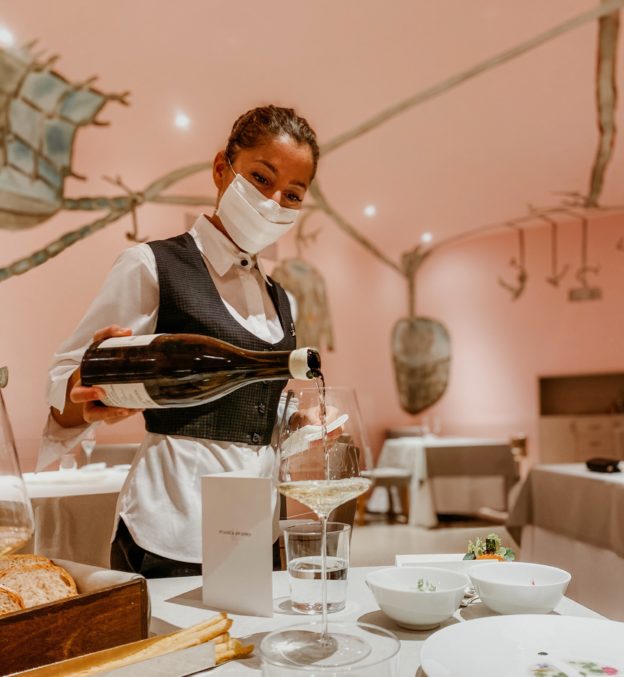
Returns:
<point x="268" y="122"/>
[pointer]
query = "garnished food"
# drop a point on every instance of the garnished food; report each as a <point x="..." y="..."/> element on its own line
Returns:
<point x="489" y="547"/>
<point x="424" y="585"/>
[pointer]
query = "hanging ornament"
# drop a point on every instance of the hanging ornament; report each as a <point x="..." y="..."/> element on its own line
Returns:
<point x="307" y="285"/>
<point x="518" y="264"/>
<point x="421" y="348"/>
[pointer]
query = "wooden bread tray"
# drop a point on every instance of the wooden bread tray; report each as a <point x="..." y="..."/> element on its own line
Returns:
<point x="112" y="609"/>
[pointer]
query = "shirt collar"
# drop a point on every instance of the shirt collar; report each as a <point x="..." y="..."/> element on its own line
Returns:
<point x="220" y="251"/>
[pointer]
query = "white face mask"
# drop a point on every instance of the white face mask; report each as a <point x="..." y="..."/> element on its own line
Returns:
<point x="252" y="220"/>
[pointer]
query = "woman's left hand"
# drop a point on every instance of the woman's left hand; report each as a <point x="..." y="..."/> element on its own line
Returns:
<point x="312" y="416"/>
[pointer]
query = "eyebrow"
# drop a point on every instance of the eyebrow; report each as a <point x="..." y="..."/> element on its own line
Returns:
<point x="274" y="170"/>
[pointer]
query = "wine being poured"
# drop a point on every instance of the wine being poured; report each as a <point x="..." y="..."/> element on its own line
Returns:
<point x="322" y="472"/>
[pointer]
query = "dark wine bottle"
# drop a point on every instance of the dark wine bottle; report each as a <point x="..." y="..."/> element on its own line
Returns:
<point x="184" y="370"/>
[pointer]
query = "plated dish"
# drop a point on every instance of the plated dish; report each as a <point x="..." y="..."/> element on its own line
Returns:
<point x="526" y="646"/>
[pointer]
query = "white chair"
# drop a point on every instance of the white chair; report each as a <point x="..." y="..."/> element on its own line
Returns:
<point x="388" y="478"/>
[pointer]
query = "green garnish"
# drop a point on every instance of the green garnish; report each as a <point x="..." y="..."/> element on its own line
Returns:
<point x="490" y="545"/>
<point x="423" y="585"/>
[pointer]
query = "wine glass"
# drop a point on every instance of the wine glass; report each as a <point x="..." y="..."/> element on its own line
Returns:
<point x="88" y="446"/>
<point x="322" y="448"/>
<point x="16" y="515"/>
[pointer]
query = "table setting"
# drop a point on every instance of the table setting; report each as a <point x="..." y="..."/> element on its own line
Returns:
<point x="473" y="614"/>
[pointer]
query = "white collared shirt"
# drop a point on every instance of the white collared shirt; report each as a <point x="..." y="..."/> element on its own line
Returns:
<point x="161" y="500"/>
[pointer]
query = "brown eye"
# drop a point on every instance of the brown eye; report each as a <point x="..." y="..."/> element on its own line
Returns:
<point x="259" y="179"/>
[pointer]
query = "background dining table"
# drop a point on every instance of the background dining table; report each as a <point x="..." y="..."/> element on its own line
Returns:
<point x="74" y="512"/>
<point x="568" y="516"/>
<point x="456" y="475"/>
<point x="177" y="603"/>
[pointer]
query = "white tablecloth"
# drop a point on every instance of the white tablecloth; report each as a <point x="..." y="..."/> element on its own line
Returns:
<point x="74" y="513"/>
<point x="574" y="519"/>
<point x="176" y="603"/>
<point x="462" y="489"/>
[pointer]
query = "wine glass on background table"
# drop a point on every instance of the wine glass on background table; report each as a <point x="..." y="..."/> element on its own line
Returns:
<point x="88" y="446"/>
<point x="321" y="444"/>
<point x="16" y="515"/>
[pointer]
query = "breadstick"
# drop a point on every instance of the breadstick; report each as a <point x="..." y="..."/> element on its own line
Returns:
<point x="176" y="641"/>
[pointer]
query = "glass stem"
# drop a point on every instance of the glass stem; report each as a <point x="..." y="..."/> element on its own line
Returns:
<point x="324" y="575"/>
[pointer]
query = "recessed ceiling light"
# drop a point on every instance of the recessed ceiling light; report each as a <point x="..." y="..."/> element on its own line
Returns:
<point x="7" y="39"/>
<point x="370" y="210"/>
<point x="182" y="121"/>
<point x="426" y="237"/>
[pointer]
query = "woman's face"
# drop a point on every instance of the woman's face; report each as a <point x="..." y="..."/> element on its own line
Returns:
<point x="280" y="168"/>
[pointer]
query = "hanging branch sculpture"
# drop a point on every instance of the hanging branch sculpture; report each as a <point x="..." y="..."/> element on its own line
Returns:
<point x="519" y="264"/>
<point x="556" y="275"/>
<point x="21" y="63"/>
<point x="606" y="98"/>
<point x="421" y="347"/>
<point x="585" y="292"/>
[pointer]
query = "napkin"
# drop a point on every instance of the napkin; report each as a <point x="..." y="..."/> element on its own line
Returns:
<point x="300" y="440"/>
<point x="89" y="578"/>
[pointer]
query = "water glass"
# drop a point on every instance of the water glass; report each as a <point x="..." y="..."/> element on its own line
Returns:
<point x="68" y="462"/>
<point x="303" y="557"/>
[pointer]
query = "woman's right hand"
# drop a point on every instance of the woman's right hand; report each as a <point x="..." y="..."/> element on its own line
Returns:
<point x="89" y="397"/>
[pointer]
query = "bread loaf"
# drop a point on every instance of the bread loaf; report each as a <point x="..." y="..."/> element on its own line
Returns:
<point x="19" y="561"/>
<point x="38" y="583"/>
<point x="10" y="601"/>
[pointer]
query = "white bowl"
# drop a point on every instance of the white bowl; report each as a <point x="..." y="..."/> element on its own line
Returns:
<point x="519" y="587"/>
<point x="395" y="590"/>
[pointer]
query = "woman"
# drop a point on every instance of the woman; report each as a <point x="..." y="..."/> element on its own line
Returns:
<point x="208" y="281"/>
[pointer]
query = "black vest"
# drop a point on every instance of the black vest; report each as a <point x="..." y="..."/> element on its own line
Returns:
<point x="190" y="304"/>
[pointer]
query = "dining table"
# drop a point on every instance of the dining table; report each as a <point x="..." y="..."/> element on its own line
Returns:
<point x="450" y="474"/>
<point x="568" y="516"/>
<point x="74" y="512"/>
<point x="177" y="603"/>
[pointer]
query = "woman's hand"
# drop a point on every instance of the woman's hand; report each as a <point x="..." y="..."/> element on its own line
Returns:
<point x="83" y="403"/>
<point x="312" y="416"/>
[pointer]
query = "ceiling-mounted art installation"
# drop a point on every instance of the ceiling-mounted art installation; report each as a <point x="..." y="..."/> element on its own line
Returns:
<point x="40" y="112"/>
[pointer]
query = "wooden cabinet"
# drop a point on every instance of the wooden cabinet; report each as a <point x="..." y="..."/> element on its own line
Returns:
<point x="581" y="416"/>
<point x="574" y="439"/>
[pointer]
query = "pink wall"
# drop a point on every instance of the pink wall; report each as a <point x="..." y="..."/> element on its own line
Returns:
<point x="500" y="347"/>
<point x="473" y="156"/>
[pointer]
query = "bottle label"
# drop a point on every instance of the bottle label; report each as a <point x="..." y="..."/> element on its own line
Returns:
<point x="128" y="396"/>
<point x="123" y="341"/>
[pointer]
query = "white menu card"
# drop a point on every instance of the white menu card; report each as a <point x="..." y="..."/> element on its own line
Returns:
<point x="237" y="519"/>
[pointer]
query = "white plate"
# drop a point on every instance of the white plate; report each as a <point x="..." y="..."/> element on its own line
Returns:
<point x="516" y="646"/>
<point x="451" y="562"/>
<point x="122" y="467"/>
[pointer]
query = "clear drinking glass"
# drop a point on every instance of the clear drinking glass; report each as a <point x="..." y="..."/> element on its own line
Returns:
<point x="303" y="560"/>
<point x="322" y="448"/>
<point x="16" y="516"/>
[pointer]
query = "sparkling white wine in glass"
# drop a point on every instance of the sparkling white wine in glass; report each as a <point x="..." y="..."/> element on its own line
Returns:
<point x="323" y="496"/>
<point x="322" y="446"/>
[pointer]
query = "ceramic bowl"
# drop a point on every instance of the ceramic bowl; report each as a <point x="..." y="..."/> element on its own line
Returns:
<point x="397" y="592"/>
<point x="519" y="587"/>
